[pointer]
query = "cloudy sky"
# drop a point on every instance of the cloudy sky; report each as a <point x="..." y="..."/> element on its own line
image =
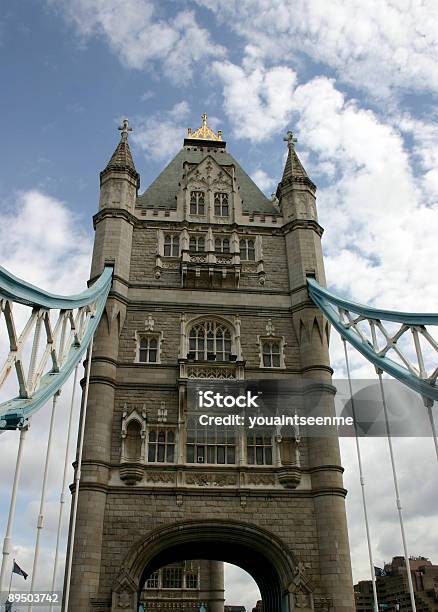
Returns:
<point x="356" y="80"/>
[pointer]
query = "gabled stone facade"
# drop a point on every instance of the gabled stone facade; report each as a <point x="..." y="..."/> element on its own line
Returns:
<point x="209" y="283"/>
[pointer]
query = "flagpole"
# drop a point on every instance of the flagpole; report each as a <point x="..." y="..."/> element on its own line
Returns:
<point x="12" y="507"/>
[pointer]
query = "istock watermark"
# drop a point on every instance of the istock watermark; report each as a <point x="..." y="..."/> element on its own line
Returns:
<point x="315" y="408"/>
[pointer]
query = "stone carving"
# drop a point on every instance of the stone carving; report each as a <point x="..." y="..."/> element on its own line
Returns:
<point x="261" y="479"/>
<point x="270" y="329"/>
<point x="301" y="599"/>
<point x="124" y="600"/>
<point x="211" y="372"/>
<point x="149" y="323"/>
<point x="161" y="477"/>
<point x="211" y="480"/>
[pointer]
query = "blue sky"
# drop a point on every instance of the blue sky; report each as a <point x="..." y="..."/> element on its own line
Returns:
<point x="356" y="81"/>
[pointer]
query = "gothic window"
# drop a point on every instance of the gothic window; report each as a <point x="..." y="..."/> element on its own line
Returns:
<point x="247" y="249"/>
<point x="171" y="245"/>
<point x="258" y="448"/>
<point x="271" y="353"/>
<point x="197" y="244"/>
<point x="197" y="203"/>
<point x="210" y="340"/>
<point x="148" y="349"/>
<point x="161" y="446"/>
<point x="191" y="580"/>
<point x="153" y="581"/>
<point x="210" y="444"/>
<point x="221" y="208"/>
<point x="133" y="442"/>
<point x="172" y="577"/>
<point x="222" y="245"/>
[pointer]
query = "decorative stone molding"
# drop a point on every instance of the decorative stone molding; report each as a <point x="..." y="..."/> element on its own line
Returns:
<point x="260" y="479"/>
<point x="161" y="477"/>
<point x="211" y="479"/>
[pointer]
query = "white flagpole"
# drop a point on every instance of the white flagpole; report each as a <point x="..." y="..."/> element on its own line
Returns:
<point x="362" y="482"/>
<point x="64" y="481"/>
<point x="77" y="480"/>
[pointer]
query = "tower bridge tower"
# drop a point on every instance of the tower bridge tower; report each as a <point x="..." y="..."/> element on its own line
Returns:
<point x="209" y="284"/>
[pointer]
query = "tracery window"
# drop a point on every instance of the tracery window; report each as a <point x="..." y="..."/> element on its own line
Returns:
<point x="171" y="245"/>
<point x="258" y="448"/>
<point x="221" y="208"/>
<point x="210" y="444"/>
<point x="271" y="353"/>
<point x="197" y="203"/>
<point x="153" y="581"/>
<point x="222" y="245"/>
<point x="148" y="349"/>
<point x="161" y="446"/>
<point x="197" y="244"/>
<point x="210" y="340"/>
<point x="191" y="580"/>
<point x="172" y="577"/>
<point x="247" y="249"/>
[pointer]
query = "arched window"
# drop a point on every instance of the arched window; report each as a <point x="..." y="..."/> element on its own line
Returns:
<point x="221" y="204"/>
<point x="247" y="249"/>
<point x="222" y="245"/>
<point x="210" y="340"/>
<point x="197" y="203"/>
<point x="148" y="349"/>
<point x="197" y="244"/>
<point x="133" y="441"/>
<point x="171" y="245"/>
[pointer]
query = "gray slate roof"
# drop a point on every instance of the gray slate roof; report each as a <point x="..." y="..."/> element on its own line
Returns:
<point x="162" y="192"/>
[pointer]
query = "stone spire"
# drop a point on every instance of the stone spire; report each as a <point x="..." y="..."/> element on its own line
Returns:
<point x="121" y="160"/>
<point x="294" y="171"/>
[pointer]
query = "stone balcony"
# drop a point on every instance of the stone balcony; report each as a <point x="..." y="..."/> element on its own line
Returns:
<point x="210" y="268"/>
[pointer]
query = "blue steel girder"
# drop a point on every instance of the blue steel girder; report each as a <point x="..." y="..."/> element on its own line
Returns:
<point x="366" y="329"/>
<point x="68" y="324"/>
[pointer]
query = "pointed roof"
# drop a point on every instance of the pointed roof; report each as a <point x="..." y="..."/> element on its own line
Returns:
<point x="163" y="191"/>
<point x="122" y="159"/>
<point x="294" y="170"/>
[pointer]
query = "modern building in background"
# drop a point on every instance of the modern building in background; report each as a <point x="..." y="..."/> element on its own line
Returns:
<point x="393" y="589"/>
<point x="209" y="284"/>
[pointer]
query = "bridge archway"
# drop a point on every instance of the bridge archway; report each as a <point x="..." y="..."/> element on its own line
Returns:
<point x="255" y="550"/>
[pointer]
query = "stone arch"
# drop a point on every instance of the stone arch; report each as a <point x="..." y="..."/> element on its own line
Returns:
<point x="252" y="548"/>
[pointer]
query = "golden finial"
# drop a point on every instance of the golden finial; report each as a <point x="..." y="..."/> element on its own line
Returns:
<point x="204" y="132"/>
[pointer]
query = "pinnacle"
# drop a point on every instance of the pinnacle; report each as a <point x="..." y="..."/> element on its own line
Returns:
<point x="122" y="159"/>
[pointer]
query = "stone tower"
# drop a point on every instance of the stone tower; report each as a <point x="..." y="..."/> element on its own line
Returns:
<point x="209" y="284"/>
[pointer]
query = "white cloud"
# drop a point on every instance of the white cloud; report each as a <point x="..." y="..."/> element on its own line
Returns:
<point x="240" y="587"/>
<point x="140" y="37"/>
<point x="257" y="99"/>
<point x="379" y="46"/>
<point x="40" y="241"/>
<point x="263" y="180"/>
<point x="161" y="135"/>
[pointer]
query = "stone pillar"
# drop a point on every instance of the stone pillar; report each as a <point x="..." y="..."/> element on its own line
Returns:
<point x="216" y="596"/>
<point x="113" y="240"/>
<point x="304" y="253"/>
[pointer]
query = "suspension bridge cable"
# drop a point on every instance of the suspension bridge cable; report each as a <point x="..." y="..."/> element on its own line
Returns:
<point x="433" y="426"/>
<point x="362" y="481"/>
<point x="64" y="481"/>
<point x="40" y="521"/>
<point x="13" y="504"/>
<point x="77" y="480"/>
<point x="397" y="492"/>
